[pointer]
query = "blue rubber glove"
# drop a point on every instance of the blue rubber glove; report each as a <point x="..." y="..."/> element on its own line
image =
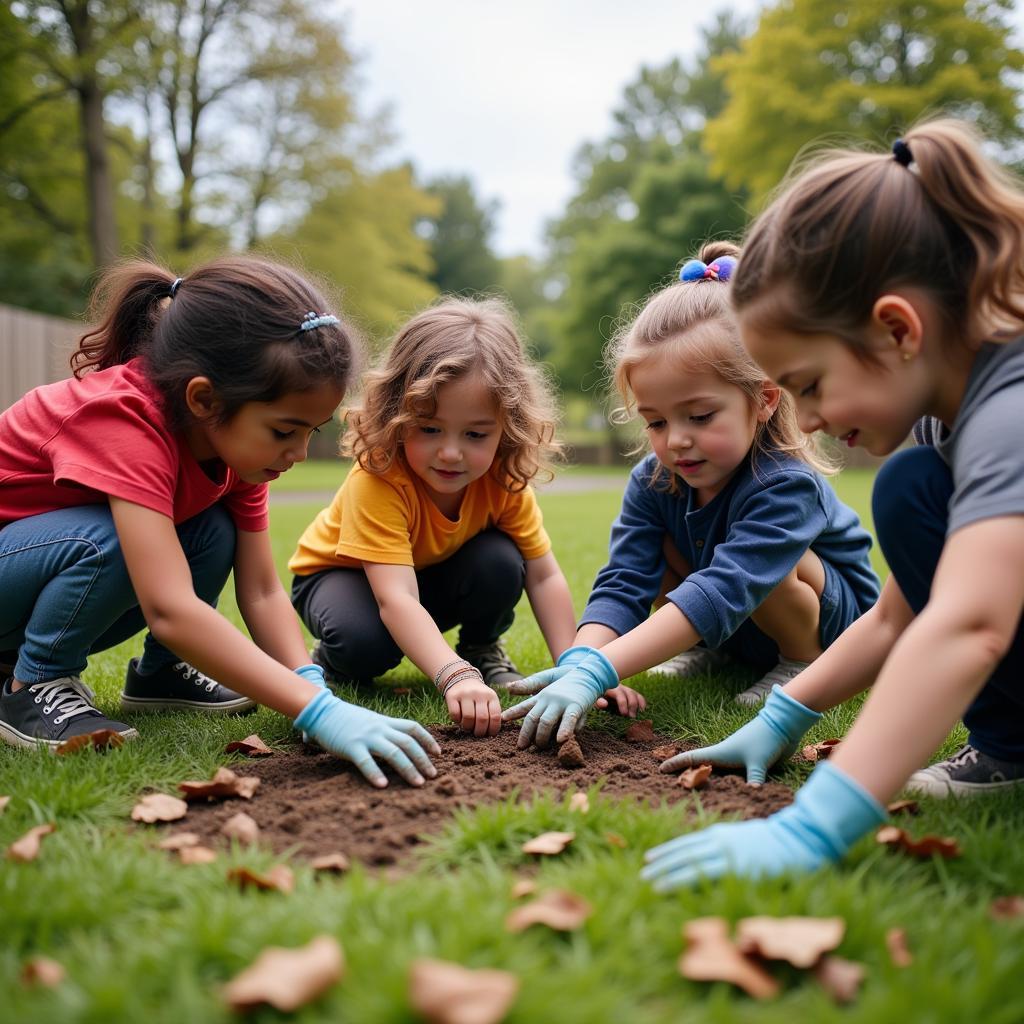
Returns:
<point x="530" y="685"/>
<point x="562" y="704"/>
<point x="830" y="814"/>
<point x="315" y="675"/>
<point x="358" y="734"/>
<point x="772" y="736"/>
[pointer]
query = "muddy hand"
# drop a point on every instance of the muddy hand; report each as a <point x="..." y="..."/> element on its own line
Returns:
<point x="535" y="683"/>
<point x="360" y="735"/>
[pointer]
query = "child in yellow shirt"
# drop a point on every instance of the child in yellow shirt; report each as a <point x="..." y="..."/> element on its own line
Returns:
<point x="436" y="525"/>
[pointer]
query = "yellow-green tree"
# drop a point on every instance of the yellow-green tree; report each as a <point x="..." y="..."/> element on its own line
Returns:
<point x="813" y="69"/>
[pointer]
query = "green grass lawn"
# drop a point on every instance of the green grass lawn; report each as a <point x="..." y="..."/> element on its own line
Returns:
<point x="145" y="939"/>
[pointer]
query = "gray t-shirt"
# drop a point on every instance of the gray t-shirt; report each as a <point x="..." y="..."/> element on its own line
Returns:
<point x="985" y="446"/>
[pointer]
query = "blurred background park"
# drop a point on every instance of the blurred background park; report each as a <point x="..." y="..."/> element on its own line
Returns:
<point x="568" y="155"/>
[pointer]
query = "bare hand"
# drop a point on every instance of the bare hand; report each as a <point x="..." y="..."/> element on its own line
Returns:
<point x="474" y="706"/>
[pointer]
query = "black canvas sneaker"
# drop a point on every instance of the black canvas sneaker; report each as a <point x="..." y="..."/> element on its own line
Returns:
<point x="180" y="687"/>
<point x="492" y="661"/>
<point x="968" y="772"/>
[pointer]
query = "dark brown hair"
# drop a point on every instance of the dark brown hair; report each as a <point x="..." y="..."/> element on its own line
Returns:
<point x="235" y="320"/>
<point x="856" y="224"/>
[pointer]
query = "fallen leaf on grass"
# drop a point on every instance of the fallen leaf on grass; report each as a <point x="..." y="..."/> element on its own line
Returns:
<point x="179" y="840"/>
<point x="336" y="862"/>
<point x="196" y="855"/>
<point x="559" y="909"/>
<point x="903" y="807"/>
<point x="224" y="783"/>
<point x="640" y="732"/>
<point x="27" y="847"/>
<point x="1006" y="908"/>
<point x="711" y="956"/>
<point x="819" y="751"/>
<point x="4" y="801"/>
<point x="614" y="839"/>
<point x="665" y="752"/>
<point x="447" y="993"/>
<point x="241" y="827"/>
<point x="401" y="691"/>
<point x="280" y="878"/>
<point x="899" y="951"/>
<point x="694" y="778"/>
<point x="800" y="940"/>
<point x="159" y="807"/>
<point x="548" y="843"/>
<point x="251" y="746"/>
<point x="926" y="846"/>
<point x="101" y="739"/>
<point x="840" y="978"/>
<point x="579" y="802"/>
<point x="523" y="887"/>
<point x="42" y="971"/>
<point x="287" y="978"/>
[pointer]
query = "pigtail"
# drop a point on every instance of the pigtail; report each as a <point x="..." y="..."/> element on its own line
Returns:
<point x="985" y="204"/>
<point x="126" y="305"/>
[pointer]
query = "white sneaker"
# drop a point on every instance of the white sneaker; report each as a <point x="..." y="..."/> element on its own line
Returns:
<point x="786" y="670"/>
<point x="694" y="662"/>
<point x="968" y="772"/>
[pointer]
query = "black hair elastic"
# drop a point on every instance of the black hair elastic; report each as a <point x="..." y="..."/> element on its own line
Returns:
<point x="901" y="153"/>
<point x="174" y="287"/>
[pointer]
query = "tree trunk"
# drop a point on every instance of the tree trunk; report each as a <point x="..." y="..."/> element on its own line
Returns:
<point x="99" y="181"/>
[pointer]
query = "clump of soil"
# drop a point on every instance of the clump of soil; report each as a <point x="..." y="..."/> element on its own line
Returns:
<point x="570" y="754"/>
<point x="312" y="803"/>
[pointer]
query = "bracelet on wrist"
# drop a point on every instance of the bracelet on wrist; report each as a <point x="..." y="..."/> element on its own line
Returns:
<point x="438" y="676"/>
<point x="461" y="677"/>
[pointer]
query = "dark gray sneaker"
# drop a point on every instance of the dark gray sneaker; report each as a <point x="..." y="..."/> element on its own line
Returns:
<point x="180" y="687"/>
<point x="51" y="713"/>
<point x="492" y="661"/>
<point x="968" y="772"/>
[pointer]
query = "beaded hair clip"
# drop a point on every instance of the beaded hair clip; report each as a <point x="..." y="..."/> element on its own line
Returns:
<point x="720" y="269"/>
<point x="311" y="321"/>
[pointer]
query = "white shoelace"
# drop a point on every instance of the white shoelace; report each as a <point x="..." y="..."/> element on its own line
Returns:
<point x="188" y="671"/>
<point x="69" y="694"/>
<point x="968" y="755"/>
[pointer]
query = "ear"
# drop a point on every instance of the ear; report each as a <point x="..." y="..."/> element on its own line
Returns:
<point x="201" y="399"/>
<point x="771" y="395"/>
<point x="899" y="324"/>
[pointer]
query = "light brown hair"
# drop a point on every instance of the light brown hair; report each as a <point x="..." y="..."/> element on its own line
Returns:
<point x="854" y="225"/>
<point x="443" y="343"/>
<point x="693" y="320"/>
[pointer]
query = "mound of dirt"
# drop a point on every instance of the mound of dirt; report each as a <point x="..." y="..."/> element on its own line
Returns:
<point x="313" y="803"/>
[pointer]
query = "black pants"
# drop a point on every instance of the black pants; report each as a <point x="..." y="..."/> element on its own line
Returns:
<point x="477" y="589"/>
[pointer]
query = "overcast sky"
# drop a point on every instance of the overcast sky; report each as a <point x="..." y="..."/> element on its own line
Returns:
<point x="506" y="92"/>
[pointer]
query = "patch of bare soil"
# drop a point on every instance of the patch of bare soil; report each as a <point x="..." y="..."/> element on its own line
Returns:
<point x="313" y="803"/>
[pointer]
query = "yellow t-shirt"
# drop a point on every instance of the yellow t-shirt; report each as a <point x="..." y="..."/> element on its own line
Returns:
<point x="389" y="518"/>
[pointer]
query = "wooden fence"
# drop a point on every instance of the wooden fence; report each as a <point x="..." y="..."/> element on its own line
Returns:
<point x="34" y="350"/>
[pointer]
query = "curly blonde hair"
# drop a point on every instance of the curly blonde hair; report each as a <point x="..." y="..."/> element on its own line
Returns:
<point x="695" y="318"/>
<point x="443" y="343"/>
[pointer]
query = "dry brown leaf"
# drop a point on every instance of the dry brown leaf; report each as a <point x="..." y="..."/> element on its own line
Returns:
<point x="401" y="691"/>
<point x="559" y="909"/>
<point x="840" y="978"/>
<point x="241" y="827"/>
<point x="926" y="846"/>
<point x="711" y="956"/>
<point x="1006" y="908"/>
<point x="694" y="778"/>
<point x="641" y="731"/>
<point x="42" y="971"/>
<point x="225" y="783"/>
<point x="101" y="739"/>
<point x="251" y="746"/>
<point x="579" y="802"/>
<point x="159" y="807"/>
<point x="179" y="840"/>
<point x="800" y="940"/>
<point x="26" y="848"/>
<point x="523" y="887"/>
<point x="196" y="855"/>
<point x="899" y="951"/>
<point x="336" y="862"/>
<point x="614" y="839"/>
<point x="280" y="878"/>
<point x="4" y="801"/>
<point x="549" y="843"/>
<point x="903" y="807"/>
<point x="287" y="978"/>
<point x="447" y="993"/>
<point x="665" y="752"/>
<point x="820" y="751"/>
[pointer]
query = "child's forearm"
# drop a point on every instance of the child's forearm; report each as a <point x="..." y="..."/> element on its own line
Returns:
<point x="416" y="633"/>
<point x="666" y="633"/>
<point x="274" y="627"/>
<point x="594" y="634"/>
<point x="552" y="608"/>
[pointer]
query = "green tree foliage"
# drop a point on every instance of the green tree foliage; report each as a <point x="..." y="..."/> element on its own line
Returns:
<point x="814" y="69"/>
<point x="460" y="238"/>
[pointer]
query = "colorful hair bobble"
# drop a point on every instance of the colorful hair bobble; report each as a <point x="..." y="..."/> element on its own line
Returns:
<point x="311" y="321"/>
<point x="720" y="269"/>
<point x="901" y="153"/>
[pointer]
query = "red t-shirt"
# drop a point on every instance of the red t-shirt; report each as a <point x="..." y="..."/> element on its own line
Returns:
<point x="81" y="442"/>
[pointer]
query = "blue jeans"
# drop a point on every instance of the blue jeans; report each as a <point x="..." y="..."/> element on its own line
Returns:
<point x="910" y="503"/>
<point x="65" y="591"/>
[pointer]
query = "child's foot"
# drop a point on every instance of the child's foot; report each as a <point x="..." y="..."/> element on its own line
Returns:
<point x="786" y="670"/>
<point x="968" y="772"/>
<point x="492" y="661"/>
<point x="180" y="687"/>
<point x="696" y="661"/>
<point x="51" y="713"/>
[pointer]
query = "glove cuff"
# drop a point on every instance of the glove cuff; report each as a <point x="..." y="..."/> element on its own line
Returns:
<point x="312" y="673"/>
<point x="574" y="655"/>
<point x="599" y="671"/>
<point x="315" y="709"/>
<point x="786" y="715"/>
